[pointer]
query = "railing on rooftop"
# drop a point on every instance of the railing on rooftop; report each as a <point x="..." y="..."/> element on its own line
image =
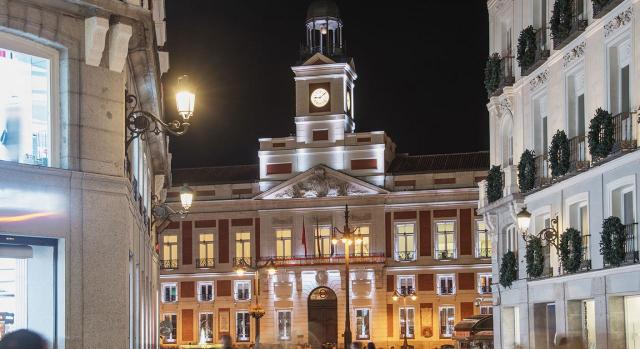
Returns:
<point x="371" y="258"/>
<point x="578" y="153"/>
<point x="168" y="264"/>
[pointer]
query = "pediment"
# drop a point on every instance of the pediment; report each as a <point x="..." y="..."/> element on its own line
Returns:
<point x="319" y="182"/>
<point x="318" y="58"/>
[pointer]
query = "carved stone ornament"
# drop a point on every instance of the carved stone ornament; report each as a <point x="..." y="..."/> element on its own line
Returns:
<point x="320" y="185"/>
<point x="506" y="106"/>
<point x="539" y="80"/>
<point x="321" y="277"/>
<point x="574" y="54"/>
<point x="618" y="22"/>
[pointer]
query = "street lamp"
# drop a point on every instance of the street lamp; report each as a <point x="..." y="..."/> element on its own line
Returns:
<point x="409" y="293"/>
<point x="161" y="211"/>
<point x="139" y="122"/>
<point x="549" y="234"/>
<point x="256" y="310"/>
<point x="347" y="239"/>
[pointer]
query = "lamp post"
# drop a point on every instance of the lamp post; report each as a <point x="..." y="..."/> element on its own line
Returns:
<point x="256" y="310"/>
<point x="396" y="296"/>
<point x="347" y="239"/>
<point x="161" y="211"/>
<point x="549" y="234"/>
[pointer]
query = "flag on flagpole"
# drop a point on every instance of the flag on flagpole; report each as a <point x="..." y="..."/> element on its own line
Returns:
<point x="304" y="239"/>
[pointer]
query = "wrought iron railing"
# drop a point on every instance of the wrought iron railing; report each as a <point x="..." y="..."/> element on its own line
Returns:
<point x="204" y="263"/>
<point x="445" y="254"/>
<point x="205" y="297"/>
<point x="578" y="153"/>
<point x="578" y="24"/>
<point x="484" y="289"/>
<point x="444" y="290"/>
<point x="586" y="253"/>
<point x="336" y="259"/>
<point x="242" y="261"/>
<point x="631" y="244"/>
<point x="405" y="256"/>
<point x="623" y="132"/>
<point x="405" y="290"/>
<point x="601" y="8"/>
<point x="543" y="171"/>
<point x="483" y="252"/>
<point x="541" y="54"/>
<point x="506" y="71"/>
<point x="168" y="264"/>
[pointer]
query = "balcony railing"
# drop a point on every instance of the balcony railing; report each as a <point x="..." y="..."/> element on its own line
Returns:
<point x="547" y="272"/>
<point x="541" y="54"/>
<point x="631" y="244"/>
<point x="205" y="263"/>
<point x="336" y="259"/>
<point x="602" y="7"/>
<point x="168" y="264"/>
<point x="623" y="132"/>
<point x="405" y="256"/>
<point x="246" y="261"/>
<point x="578" y="153"/>
<point x="445" y="254"/>
<point x="543" y="171"/>
<point x="483" y="252"/>
<point x="446" y="290"/>
<point x="405" y="290"/>
<point x="586" y="253"/>
<point x="506" y="71"/>
<point x="484" y="289"/>
<point x="578" y="24"/>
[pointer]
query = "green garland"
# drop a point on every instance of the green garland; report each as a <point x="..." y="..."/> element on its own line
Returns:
<point x="559" y="154"/>
<point x="492" y="73"/>
<point x="508" y="269"/>
<point x="527" y="47"/>
<point x="601" y="134"/>
<point x="598" y="5"/>
<point x="494" y="184"/>
<point x="527" y="171"/>
<point x="561" y="19"/>
<point x="571" y="250"/>
<point x="535" y="257"/>
<point x="613" y="241"/>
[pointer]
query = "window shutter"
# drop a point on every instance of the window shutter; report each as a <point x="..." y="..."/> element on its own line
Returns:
<point x="425" y="282"/>
<point x="465" y="281"/>
<point x="391" y="281"/>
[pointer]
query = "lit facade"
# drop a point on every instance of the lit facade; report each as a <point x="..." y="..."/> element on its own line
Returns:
<point x="78" y="253"/>
<point x="593" y="65"/>
<point x="415" y="215"/>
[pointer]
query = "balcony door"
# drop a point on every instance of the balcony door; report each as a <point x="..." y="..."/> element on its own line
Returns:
<point x="322" y="315"/>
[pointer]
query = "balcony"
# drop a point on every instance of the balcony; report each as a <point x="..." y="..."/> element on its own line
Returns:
<point x="602" y="7"/>
<point x="205" y="263"/>
<point x="445" y="254"/>
<point x="578" y="153"/>
<point x="569" y="31"/>
<point x="623" y="133"/>
<point x="586" y="253"/>
<point x="631" y="244"/>
<point x="405" y="256"/>
<point x="168" y="264"/>
<point x="336" y="259"/>
<point x="506" y="73"/>
<point x="543" y="171"/>
<point x="541" y="55"/>
<point x="483" y="252"/>
<point x="244" y="261"/>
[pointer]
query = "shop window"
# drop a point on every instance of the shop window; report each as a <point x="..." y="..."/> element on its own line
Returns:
<point x="242" y="326"/>
<point x="284" y="325"/>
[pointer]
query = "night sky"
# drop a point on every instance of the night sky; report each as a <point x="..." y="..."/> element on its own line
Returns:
<point x="420" y="67"/>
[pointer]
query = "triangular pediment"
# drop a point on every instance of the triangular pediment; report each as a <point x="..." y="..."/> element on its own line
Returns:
<point x="318" y="182"/>
<point x="318" y="58"/>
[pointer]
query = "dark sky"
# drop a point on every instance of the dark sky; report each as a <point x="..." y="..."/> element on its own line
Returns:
<point x="420" y="68"/>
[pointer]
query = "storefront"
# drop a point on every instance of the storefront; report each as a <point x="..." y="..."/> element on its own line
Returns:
<point x="474" y="332"/>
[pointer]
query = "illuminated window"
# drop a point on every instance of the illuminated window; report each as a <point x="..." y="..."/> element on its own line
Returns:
<point x="284" y="325"/>
<point x="446" y="285"/>
<point x="407" y="322"/>
<point x="206" y="327"/>
<point x="406" y="283"/>
<point x="447" y="320"/>
<point x="243" y="246"/>
<point x="205" y="291"/>
<point x="169" y="252"/>
<point x="445" y="239"/>
<point x="242" y="290"/>
<point x="484" y="283"/>
<point x="483" y="240"/>
<point x="169" y="293"/>
<point x="242" y="326"/>
<point x="170" y="321"/>
<point x="283" y="243"/>
<point x="362" y="324"/>
<point x="405" y="241"/>
<point x="322" y="236"/>
<point x="206" y="250"/>
<point x="486" y="309"/>
<point x="362" y="242"/>
<point x="26" y="106"/>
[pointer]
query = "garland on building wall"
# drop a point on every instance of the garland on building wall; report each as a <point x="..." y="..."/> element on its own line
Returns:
<point x="535" y="257"/>
<point x="613" y="241"/>
<point x="559" y="154"/>
<point x="494" y="184"/>
<point x="527" y="47"/>
<point x="571" y="250"/>
<point x="508" y="269"/>
<point x="492" y="73"/>
<point x="527" y="171"/>
<point x="561" y="19"/>
<point x="601" y="134"/>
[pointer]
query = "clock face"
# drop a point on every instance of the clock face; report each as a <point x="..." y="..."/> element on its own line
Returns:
<point x="348" y="100"/>
<point x="319" y="97"/>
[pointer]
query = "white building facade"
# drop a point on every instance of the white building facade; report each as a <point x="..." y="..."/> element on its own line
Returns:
<point x="594" y="63"/>
<point x="77" y="247"/>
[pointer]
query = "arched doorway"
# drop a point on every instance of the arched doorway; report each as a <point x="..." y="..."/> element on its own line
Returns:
<point x="322" y="312"/>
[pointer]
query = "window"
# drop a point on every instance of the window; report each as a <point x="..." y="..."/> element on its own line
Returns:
<point x="284" y="325"/>
<point x="26" y="102"/>
<point x="243" y="246"/>
<point x="362" y="245"/>
<point x="445" y="240"/>
<point x="169" y="293"/>
<point x="283" y="243"/>
<point x="483" y="240"/>
<point x="447" y="319"/>
<point x="579" y="219"/>
<point x="619" y="57"/>
<point x="206" y="251"/>
<point x="242" y="326"/>
<point x="362" y="324"/>
<point x="206" y="327"/>
<point x="322" y="236"/>
<point x="205" y="291"/>
<point x="510" y="239"/>
<point x="622" y="204"/>
<point x="486" y="309"/>
<point x="171" y="321"/>
<point x="507" y="142"/>
<point x="169" y="252"/>
<point x="446" y="285"/>
<point x="406" y="283"/>
<point x="321" y="135"/>
<point x="407" y="322"/>
<point x="541" y="133"/>
<point x="242" y="290"/>
<point x="576" y="113"/>
<point x="484" y="283"/>
<point x="405" y="241"/>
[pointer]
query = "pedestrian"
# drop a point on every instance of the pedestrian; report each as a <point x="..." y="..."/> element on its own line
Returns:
<point x="23" y="339"/>
<point x="226" y="341"/>
<point x="371" y="345"/>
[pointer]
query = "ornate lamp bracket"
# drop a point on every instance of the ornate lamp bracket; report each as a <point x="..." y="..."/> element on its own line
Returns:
<point x="551" y="234"/>
<point x="140" y="122"/>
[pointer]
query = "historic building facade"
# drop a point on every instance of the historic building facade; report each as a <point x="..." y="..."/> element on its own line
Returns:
<point x="416" y="226"/>
<point x="77" y="249"/>
<point x="587" y="59"/>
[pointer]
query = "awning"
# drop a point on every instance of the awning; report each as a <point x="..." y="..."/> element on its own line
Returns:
<point x="476" y="326"/>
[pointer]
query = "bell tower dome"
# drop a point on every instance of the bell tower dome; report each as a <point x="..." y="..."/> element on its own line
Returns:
<point x="323" y="30"/>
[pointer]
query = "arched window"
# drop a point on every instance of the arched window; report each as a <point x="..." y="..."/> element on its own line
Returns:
<point x="506" y="141"/>
<point x="28" y="104"/>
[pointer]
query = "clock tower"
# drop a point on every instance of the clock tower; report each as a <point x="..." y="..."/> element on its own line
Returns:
<point x="324" y="79"/>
